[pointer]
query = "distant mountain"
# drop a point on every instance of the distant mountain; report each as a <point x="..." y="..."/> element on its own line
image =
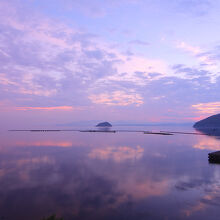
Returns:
<point x="152" y="124"/>
<point x="90" y="123"/>
<point x="210" y="122"/>
<point x="104" y="124"/>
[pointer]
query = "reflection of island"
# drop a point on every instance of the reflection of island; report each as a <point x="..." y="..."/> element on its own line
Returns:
<point x="209" y="126"/>
<point x="210" y="131"/>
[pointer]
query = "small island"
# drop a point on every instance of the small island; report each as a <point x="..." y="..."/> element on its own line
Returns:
<point x="104" y="124"/>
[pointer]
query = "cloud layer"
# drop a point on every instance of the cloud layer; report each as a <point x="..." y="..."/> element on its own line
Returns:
<point x="48" y="63"/>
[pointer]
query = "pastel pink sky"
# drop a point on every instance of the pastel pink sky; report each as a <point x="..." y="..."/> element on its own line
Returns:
<point x="65" y="61"/>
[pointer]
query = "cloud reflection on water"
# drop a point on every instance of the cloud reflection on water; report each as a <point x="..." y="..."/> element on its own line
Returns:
<point x="208" y="143"/>
<point x="45" y="143"/>
<point x="118" y="154"/>
<point x="107" y="176"/>
<point x="210" y="198"/>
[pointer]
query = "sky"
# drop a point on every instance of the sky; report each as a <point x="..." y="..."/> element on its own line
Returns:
<point x="129" y="60"/>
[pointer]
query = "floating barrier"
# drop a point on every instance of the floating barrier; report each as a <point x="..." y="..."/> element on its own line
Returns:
<point x="113" y="131"/>
<point x="160" y="133"/>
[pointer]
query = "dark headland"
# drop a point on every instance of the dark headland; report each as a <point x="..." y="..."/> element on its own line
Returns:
<point x="104" y="124"/>
<point x="209" y="126"/>
<point x="210" y="122"/>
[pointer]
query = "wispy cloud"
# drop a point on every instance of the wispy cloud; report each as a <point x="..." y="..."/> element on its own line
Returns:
<point x="63" y="108"/>
<point x="47" y="59"/>
<point x="117" y="98"/>
<point x="205" y="60"/>
<point x="208" y="108"/>
<point x="189" y="48"/>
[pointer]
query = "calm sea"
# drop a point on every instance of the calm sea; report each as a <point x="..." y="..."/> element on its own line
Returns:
<point x="108" y="176"/>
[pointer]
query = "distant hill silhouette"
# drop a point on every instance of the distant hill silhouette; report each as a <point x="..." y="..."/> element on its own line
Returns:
<point x="104" y="124"/>
<point x="210" y="122"/>
<point x="209" y="126"/>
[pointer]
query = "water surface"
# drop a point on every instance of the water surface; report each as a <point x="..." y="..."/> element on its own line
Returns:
<point x="108" y="176"/>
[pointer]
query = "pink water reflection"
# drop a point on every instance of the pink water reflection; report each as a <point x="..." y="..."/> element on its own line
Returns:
<point x="107" y="176"/>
